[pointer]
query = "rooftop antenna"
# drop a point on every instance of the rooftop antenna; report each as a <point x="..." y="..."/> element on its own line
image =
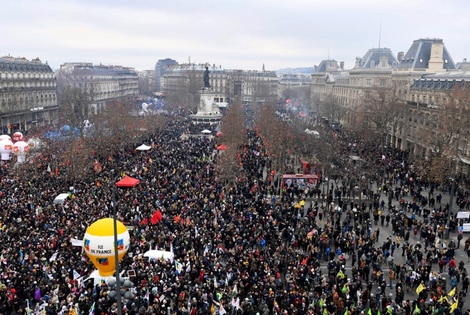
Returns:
<point x="329" y="50"/>
<point x="380" y="32"/>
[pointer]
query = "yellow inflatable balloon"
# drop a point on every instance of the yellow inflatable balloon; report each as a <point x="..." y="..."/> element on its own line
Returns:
<point x="99" y="245"/>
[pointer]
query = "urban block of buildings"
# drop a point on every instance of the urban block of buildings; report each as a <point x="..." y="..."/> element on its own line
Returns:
<point x="421" y="79"/>
<point x="28" y="94"/>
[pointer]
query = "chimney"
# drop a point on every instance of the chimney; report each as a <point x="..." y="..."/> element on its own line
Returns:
<point x="436" y="62"/>
<point x="341" y="65"/>
<point x="465" y="66"/>
<point x="400" y="56"/>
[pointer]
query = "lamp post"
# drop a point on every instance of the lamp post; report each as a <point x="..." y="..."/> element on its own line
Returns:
<point x="119" y="293"/>
<point x="125" y="182"/>
<point x="116" y="255"/>
<point x="452" y="187"/>
<point x="325" y="185"/>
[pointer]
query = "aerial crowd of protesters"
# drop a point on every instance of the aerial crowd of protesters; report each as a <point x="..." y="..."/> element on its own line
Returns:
<point x="238" y="249"/>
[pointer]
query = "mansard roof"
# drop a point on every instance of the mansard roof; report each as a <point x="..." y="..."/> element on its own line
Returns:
<point x="103" y="71"/>
<point x="22" y="65"/>
<point x="327" y="66"/>
<point x="441" y="81"/>
<point x="372" y="58"/>
<point x="417" y="57"/>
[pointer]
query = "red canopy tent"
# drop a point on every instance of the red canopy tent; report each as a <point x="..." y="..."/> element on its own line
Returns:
<point x="128" y="182"/>
<point x="222" y="147"/>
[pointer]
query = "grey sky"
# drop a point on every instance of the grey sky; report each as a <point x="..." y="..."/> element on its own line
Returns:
<point x="236" y="34"/>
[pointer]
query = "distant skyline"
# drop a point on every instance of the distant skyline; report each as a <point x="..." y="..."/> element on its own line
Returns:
<point x="242" y="34"/>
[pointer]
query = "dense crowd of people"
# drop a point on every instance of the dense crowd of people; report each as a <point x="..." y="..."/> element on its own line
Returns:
<point x="237" y="249"/>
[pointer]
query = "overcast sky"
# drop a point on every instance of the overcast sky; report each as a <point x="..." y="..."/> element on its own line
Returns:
<point x="236" y="34"/>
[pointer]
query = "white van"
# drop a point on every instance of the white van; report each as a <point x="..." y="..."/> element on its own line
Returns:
<point x="60" y="199"/>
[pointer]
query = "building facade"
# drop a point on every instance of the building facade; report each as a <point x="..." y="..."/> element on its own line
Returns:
<point x="147" y="82"/>
<point x="421" y="79"/>
<point x="28" y="94"/>
<point x="161" y="68"/>
<point x="227" y="85"/>
<point x="105" y="83"/>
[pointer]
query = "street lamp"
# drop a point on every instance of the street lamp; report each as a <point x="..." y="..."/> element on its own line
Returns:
<point x="126" y="182"/>
<point x="119" y="293"/>
<point x="327" y="187"/>
<point x="452" y="187"/>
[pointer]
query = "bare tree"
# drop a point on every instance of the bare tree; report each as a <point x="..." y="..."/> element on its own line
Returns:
<point x="441" y="135"/>
<point x="185" y="89"/>
<point x="75" y="98"/>
<point x="330" y="109"/>
<point x="234" y="135"/>
<point x="277" y="138"/>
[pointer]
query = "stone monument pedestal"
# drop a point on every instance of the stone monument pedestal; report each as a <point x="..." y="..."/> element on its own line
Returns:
<point x="208" y="111"/>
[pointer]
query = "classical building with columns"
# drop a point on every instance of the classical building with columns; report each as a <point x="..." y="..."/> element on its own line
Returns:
<point x="421" y="78"/>
<point x="28" y="94"/>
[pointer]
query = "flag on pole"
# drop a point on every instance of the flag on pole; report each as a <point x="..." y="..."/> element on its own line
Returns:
<point x="236" y="303"/>
<point x="27" y="309"/>
<point x="340" y="274"/>
<point x="178" y="267"/>
<point x="157" y="217"/>
<point x="417" y="310"/>
<point x="452" y="292"/>
<point x="222" y="310"/>
<point x="419" y="288"/>
<point x="76" y="275"/>
<point x="454" y="306"/>
<point x="53" y="257"/>
<point x="92" y="309"/>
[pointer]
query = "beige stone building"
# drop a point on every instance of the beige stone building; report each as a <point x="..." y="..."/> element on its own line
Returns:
<point x="105" y="83"/>
<point x="421" y="78"/>
<point x="227" y="85"/>
<point x="28" y="94"/>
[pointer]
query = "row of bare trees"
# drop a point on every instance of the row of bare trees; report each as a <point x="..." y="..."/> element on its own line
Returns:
<point x="93" y="137"/>
<point x="233" y="124"/>
<point x="438" y="134"/>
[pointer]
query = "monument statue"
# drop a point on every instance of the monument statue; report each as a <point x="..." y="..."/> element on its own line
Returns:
<point x="206" y="78"/>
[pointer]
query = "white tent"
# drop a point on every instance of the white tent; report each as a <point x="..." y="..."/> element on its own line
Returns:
<point x="160" y="254"/>
<point x="206" y="131"/>
<point x="312" y="132"/>
<point x="143" y="147"/>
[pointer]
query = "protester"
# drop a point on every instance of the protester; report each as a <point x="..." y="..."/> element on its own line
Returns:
<point x="237" y="250"/>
